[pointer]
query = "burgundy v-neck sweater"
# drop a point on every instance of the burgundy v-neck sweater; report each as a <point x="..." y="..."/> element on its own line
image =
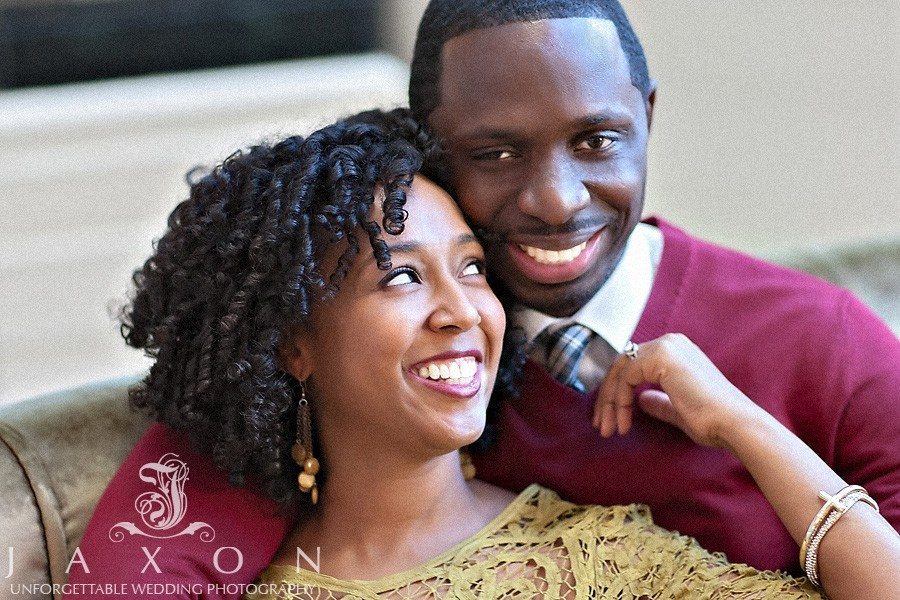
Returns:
<point x="809" y="353"/>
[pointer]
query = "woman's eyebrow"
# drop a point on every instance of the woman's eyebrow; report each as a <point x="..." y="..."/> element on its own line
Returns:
<point x="408" y="247"/>
<point x="467" y="238"/>
<point x="411" y="247"/>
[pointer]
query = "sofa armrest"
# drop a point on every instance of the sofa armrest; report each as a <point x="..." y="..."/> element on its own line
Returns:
<point x="20" y="526"/>
<point x="61" y="450"/>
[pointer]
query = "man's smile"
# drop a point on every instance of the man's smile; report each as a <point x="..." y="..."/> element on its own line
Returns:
<point x="551" y="266"/>
<point x="553" y="257"/>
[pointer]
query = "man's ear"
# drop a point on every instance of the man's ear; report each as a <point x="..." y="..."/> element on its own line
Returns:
<point x="651" y="100"/>
<point x="295" y="354"/>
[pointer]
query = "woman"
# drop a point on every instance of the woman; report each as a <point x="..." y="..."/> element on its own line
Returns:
<point x="285" y="339"/>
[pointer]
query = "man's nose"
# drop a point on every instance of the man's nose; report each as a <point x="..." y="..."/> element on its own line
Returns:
<point x="556" y="191"/>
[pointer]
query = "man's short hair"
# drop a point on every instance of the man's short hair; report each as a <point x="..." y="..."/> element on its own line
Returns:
<point x="446" y="19"/>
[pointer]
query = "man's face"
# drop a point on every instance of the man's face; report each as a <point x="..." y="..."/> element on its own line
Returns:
<point x="548" y="146"/>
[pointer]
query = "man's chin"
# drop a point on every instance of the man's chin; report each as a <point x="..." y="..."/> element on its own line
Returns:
<point x="557" y="300"/>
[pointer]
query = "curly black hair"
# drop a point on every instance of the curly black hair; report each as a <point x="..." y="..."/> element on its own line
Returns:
<point x="241" y="265"/>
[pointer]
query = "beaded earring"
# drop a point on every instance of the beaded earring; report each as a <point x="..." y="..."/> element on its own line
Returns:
<point x="302" y="449"/>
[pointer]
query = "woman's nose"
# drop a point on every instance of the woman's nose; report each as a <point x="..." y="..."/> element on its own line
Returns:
<point x="453" y="310"/>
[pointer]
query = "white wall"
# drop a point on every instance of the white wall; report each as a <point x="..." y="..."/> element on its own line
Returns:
<point x="777" y="123"/>
<point x="90" y="172"/>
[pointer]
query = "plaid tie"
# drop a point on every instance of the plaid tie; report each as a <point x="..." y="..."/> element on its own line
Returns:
<point x="564" y="348"/>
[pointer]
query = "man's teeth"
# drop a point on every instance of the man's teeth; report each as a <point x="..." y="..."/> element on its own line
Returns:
<point x="457" y="371"/>
<point x="553" y="257"/>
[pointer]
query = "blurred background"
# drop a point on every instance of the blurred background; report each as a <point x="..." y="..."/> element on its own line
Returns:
<point x="776" y="132"/>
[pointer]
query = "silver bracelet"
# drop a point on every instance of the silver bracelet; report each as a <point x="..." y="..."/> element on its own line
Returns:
<point x="834" y="509"/>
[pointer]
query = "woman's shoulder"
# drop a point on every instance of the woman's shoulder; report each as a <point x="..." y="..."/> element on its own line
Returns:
<point x="167" y="496"/>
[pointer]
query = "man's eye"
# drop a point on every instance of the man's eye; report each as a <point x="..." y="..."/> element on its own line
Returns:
<point x="400" y="276"/>
<point x="476" y="267"/>
<point x="595" y="142"/>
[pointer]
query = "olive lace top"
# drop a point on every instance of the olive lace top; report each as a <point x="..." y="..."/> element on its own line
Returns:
<point x="543" y="547"/>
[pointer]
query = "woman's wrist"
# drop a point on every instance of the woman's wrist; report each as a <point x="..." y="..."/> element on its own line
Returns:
<point x="745" y="429"/>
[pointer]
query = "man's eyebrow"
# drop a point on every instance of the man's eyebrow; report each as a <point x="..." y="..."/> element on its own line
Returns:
<point x="485" y="133"/>
<point x="604" y="118"/>
<point x="503" y="134"/>
<point x="490" y="133"/>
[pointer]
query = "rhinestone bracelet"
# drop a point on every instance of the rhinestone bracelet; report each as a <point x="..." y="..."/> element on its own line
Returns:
<point x="834" y="508"/>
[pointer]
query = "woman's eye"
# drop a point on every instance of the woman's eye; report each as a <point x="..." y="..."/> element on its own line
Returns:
<point x="498" y="154"/>
<point x="400" y="276"/>
<point x="474" y="268"/>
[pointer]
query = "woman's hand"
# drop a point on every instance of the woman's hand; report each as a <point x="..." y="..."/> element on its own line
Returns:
<point x="859" y="556"/>
<point x="695" y="396"/>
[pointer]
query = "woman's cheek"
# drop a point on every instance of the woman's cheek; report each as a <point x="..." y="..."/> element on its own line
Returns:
<point x="493" y="320"/>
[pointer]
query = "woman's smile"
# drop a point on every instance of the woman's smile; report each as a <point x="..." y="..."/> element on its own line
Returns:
<point x="456" y="374"/>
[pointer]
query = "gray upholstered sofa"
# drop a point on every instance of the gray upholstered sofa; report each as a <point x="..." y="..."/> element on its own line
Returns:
<point x="57" y="452"/>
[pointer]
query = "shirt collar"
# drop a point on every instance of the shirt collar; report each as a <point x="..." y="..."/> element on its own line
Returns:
<point x="614" y="311"/>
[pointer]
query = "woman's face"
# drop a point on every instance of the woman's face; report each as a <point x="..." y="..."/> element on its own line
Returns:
<point x="407" y="357"/>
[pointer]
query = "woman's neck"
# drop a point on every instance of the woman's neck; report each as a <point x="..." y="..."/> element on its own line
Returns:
<point x="382" y="514"/>
<point x="389" y="497"/>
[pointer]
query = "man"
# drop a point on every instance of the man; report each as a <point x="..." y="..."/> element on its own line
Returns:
<point x="546" y="109"/>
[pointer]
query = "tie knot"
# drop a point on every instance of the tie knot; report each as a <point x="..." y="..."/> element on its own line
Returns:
<point x="573" y="335"/>
<point x="564" y="346"/>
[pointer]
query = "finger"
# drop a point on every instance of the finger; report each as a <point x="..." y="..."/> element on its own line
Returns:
<point x="625" y="397"/>
<point x="605" y="395"/>
<point x="658" y="405"/>
<point x="624" y="417"/>
<point x="598" y="405"/>
<point x="612" y="383"/>
<point x="642" y="370"/>
<point x="608" y="423"/>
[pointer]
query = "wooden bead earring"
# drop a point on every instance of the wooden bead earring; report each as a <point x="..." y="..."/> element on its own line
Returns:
<point x="302" y="449"/>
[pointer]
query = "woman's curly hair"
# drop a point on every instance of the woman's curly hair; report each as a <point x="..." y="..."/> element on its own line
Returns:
<point x="241" y="264"/>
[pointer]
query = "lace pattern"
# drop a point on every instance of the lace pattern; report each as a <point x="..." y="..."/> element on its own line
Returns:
<point x="541" y="547"/>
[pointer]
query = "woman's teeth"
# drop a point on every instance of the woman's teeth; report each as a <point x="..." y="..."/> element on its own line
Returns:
<point x="459" y="371"/>
<point x="553" y="257"/>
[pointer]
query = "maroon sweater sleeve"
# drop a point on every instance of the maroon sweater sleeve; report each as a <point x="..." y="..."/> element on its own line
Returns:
<point x="810" y="353"/>
<point x="198" y="536"/>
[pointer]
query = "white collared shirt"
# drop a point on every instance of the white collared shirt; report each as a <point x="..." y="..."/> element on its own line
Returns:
<point x="614" y="311"/>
